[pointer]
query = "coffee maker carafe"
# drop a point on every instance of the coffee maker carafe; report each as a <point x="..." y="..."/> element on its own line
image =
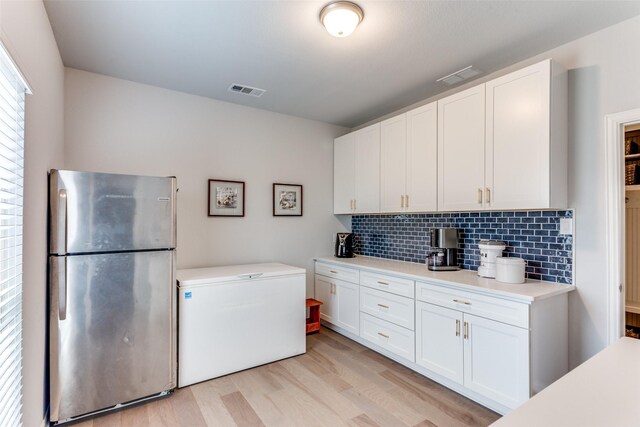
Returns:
<point x="444" y="243"/>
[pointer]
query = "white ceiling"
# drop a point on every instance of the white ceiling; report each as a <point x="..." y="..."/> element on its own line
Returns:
<point x="392" y="60"/>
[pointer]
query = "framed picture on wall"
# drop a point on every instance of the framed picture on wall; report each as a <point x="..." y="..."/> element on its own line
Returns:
<point x="287" y="199"/>
<point x="226" y="198"/>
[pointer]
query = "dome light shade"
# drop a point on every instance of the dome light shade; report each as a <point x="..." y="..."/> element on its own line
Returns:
<point x="341" y="18"/>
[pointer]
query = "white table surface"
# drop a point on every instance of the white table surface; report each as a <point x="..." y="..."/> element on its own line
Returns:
<point x="468" y="280"/>
<point x="602" y="392"/>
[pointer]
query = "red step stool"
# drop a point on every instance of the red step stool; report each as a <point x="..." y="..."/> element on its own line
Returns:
<point x="313" y="321"/>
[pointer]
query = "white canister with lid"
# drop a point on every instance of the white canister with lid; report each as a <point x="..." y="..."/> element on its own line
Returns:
<point x="510" y="270"/>
<point x="489" y="251"/>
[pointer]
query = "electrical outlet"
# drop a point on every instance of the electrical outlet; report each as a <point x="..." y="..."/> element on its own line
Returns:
<point x="566" y="226"/>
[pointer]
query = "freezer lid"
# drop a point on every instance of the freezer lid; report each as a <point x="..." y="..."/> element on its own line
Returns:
<point x="100" y="212"/>
<point x="230" y="273"/>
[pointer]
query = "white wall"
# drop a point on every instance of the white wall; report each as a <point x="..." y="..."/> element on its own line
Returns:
<point x="113" y="125"/>
<point x="26" y="32"/>
<point x="604" y="78"/>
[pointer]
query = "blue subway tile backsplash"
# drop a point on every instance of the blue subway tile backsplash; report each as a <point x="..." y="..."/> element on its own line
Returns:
<point x="531" y="235"/>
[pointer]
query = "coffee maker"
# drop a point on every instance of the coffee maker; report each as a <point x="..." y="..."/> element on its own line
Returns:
<point x="344" y="245"/>
<point x="444" y="242"/>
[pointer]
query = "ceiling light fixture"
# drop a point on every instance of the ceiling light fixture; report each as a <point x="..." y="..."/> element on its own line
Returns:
<point x="341" y="18"/>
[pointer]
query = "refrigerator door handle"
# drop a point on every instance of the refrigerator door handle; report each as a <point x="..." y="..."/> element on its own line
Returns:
<point x="62" y="289"/>
<point x="174" y="189"/>
<point x="58" y="280"/>
<point x="174" y="324"/>
<point x="62" y="222"/>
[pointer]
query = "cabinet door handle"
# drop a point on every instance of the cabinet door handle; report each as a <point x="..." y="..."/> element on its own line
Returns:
<point x="354" y="204"/>
<point x="479" y="196"/>
<point x="383" y="335"/>
<point x="383" y="306"/>
<point x="457" y="327"/>
<point x="466" y="330"/>
<point x="383" y="283"/>
<point x="402" y="201"/>
<point x="462" y="302"/>
<point x="333" y="271"/>
<point x="488" y="194"/>
<point x="406" y="200"/>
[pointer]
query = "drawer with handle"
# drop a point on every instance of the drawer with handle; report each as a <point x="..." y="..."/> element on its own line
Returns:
<point x="395" y="285"/>
<point x="501" y="310"/>
<point x="393" y="338"/>
<point x="342" y="273"/>
<point x="389" y="307"/>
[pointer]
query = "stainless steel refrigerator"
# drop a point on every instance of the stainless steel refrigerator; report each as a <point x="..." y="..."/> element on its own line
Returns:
<point x="112" y="290"/>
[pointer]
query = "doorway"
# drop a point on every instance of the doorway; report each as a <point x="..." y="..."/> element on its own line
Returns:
<point x="632" y="230"/>
<point x="615" y="169"/>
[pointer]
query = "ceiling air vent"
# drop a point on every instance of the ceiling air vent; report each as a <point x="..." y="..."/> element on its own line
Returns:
<point x="459" y="75"/>
<point x="246" y="90"/>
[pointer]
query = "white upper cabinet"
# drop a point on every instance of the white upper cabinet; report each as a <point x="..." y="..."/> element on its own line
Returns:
<point x="344" y="174"/>
<point x="422" y="159"/>
<point x="393" y="164"/>
<point x="367" y="169"/>
<point x="461" y="122"/>
<point x="526" y="139"/>
<point x="500" y="145"/>
<point x="503" y="145"/>
<point x="356" y="171"/>
<point x="408" y="163"/>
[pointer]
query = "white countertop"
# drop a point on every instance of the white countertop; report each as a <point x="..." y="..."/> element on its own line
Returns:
<point x="601" y="392"/>
<point x="468" y="280"/>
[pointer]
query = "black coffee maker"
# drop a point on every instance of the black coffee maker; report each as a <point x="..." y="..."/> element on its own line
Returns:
<point x="344" y="245"/>
<point x="444" y="243"/>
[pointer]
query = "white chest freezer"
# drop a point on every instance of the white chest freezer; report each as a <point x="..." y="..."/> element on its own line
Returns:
<point x="237" y="317"/>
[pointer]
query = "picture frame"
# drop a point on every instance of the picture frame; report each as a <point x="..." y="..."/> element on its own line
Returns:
<point x="225" y="198"/>
<point x="287" y="199"/>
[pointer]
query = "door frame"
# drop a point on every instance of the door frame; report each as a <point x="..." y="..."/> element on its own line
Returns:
<point x="614" y="188"/>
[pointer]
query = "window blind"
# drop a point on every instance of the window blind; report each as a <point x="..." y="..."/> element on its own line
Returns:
<point x="12" y="97"/>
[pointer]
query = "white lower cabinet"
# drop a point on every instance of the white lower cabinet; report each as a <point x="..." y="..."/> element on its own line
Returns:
<point x="341" y="302"/>
<point x="496" y="360"/>
<point x="387" y="310"/>
<point x="386" y="306"/>
<point x="439" y="343"/>
<point x="496" y="349"/>
<point x="485" y="356"/>
<point x="387" y="335"/>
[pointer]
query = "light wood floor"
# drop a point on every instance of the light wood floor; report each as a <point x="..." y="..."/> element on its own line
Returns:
<point x="337" y="382"/>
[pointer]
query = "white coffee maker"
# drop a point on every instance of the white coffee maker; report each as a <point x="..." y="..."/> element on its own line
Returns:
<point x="489" y="251"/>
